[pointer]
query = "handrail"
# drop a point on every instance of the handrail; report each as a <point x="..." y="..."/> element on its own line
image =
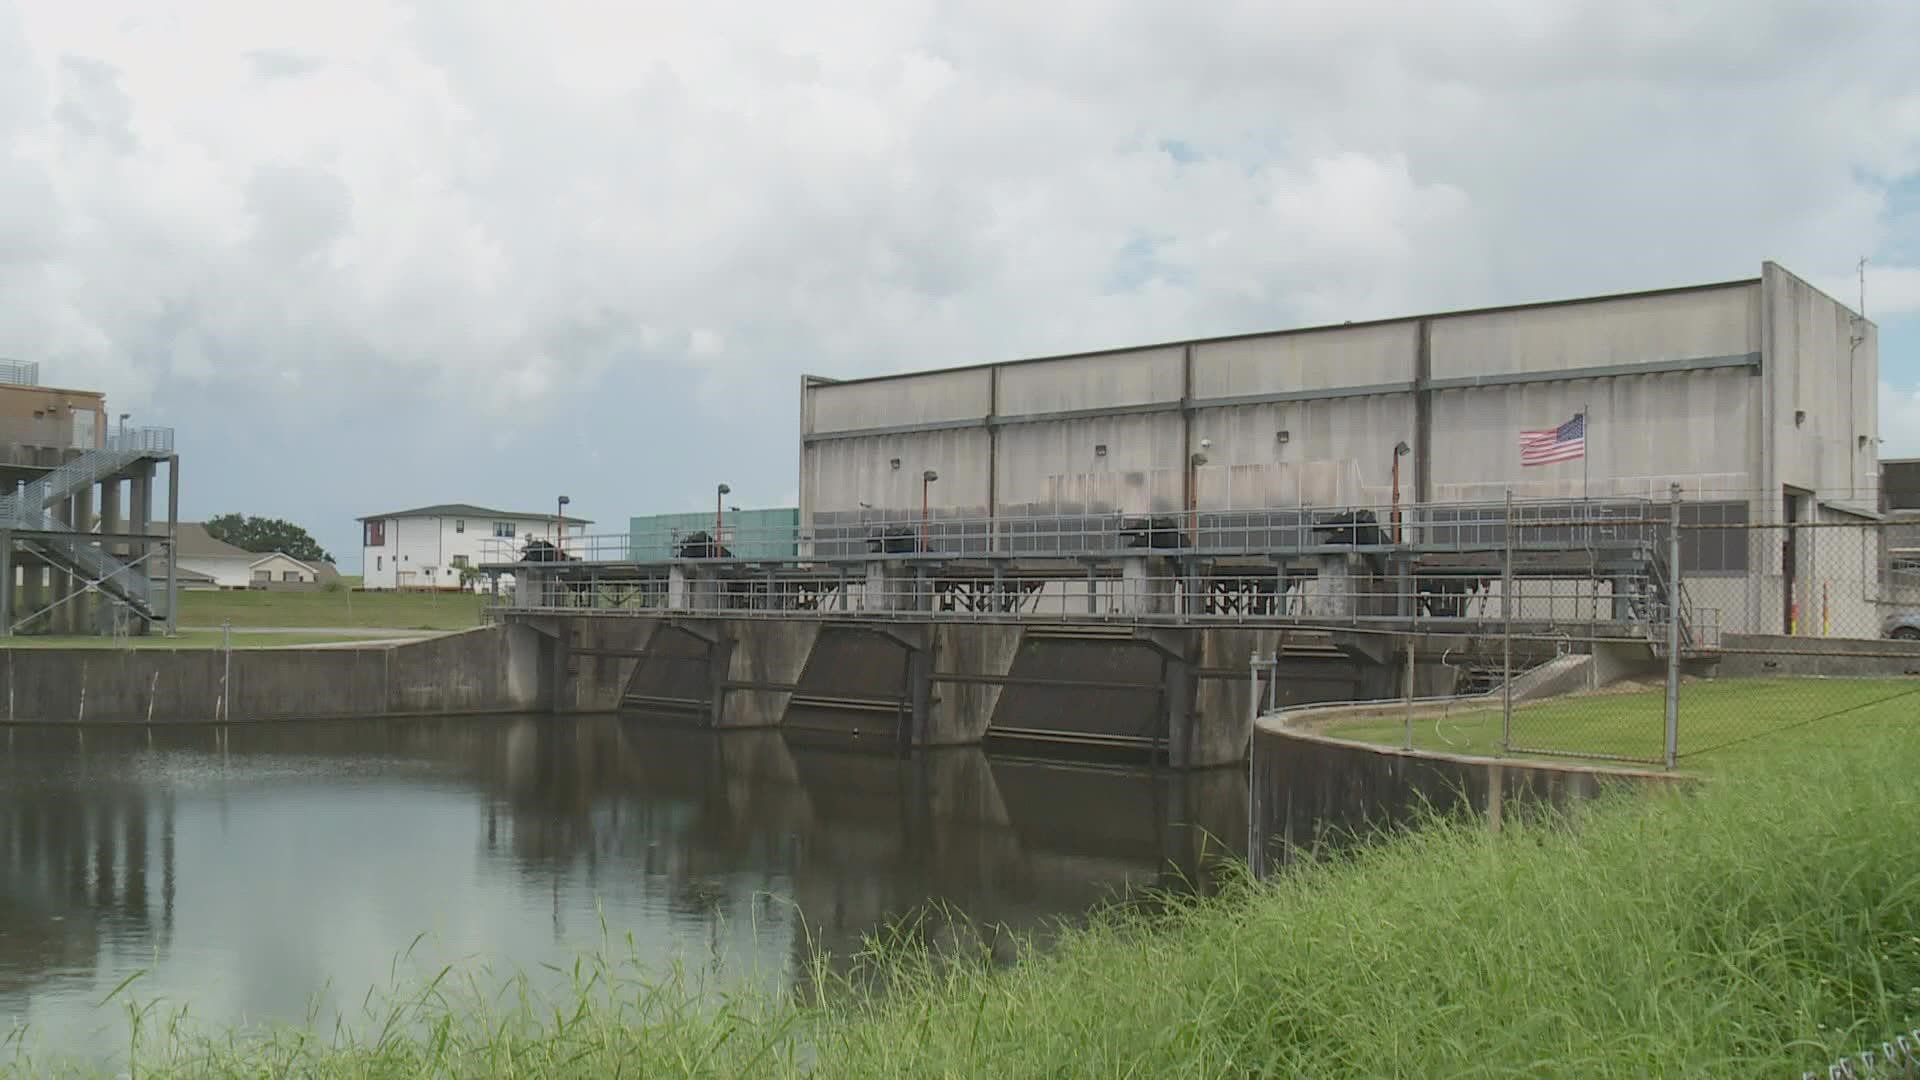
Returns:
<point x="142" y="440"/>
<point x="88" y="468"/>
<point x="1564" y="523"/>
<point x="80" y="550"/>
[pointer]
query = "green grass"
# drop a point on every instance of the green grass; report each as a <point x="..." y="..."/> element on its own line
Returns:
<point x="1720" y="721"/>
<point x="1759" y="925"/>
<point x="342" y="609"/>
<point x="198" y="639"/>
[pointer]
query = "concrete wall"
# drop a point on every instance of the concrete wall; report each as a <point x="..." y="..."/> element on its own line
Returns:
<point x="944" y="683"/>
<point x="1760" y="655"/>
<point x="486" y="670"/>
<point x="43" y="416"/>
<point x="1312" y="793"/>
<point x="1669" y="379"/>
<point x="1815" y="367"/>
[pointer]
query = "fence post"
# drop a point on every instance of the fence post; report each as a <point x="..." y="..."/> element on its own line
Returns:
<point x="1406" y="740"/>
<point x="1673" y="627"/>
<point x="226" y="669"/>
<point x="1506" y="633"/>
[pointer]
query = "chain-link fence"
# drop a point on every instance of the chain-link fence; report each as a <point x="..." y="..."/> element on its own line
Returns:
<point x="1738" y="633"/>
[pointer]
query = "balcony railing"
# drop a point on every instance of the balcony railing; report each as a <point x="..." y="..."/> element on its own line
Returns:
<point x="148" y="440"/>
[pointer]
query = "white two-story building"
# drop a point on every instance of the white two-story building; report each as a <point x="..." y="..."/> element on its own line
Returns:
<point x="428" y="547"/>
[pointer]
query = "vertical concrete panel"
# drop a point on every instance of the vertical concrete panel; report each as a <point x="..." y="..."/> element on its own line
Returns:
<point x="1332" y="358"/>
<point x="1223" y="699"/>
<point x="486" y="670"/>
<point x="1822" y="364"/>
<point x="598" y="682"/>
<point x="766" y="660"/>
<point x="960" y="712"/>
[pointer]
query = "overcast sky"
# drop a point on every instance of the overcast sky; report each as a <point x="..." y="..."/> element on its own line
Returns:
<point x="365" y="254"/>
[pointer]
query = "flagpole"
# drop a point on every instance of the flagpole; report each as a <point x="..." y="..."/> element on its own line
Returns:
<point x="1586" y="448"/>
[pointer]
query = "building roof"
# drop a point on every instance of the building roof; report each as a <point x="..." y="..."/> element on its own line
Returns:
<point x="313" y="567"/>
<point x="811" y="381"/>
<point x="158" y="572"/>
<point x="472" y="511"/>
<point x="194" y="542"/>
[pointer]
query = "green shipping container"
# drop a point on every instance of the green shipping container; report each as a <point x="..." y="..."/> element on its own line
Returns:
<point x="748" y="534"/>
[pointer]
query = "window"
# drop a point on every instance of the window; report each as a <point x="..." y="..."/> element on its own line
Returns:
<point x="376" y="534"/>
<point x="459" y="563"/>
<point x="503" y="529"/>
<point x="289" y="575"/>
<point x="459" y="525"/>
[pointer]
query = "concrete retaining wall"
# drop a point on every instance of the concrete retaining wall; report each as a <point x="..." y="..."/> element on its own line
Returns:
<point x="1311" y="792"/>
<point x="1751" y="655"/>
<point x="487" y="670"/>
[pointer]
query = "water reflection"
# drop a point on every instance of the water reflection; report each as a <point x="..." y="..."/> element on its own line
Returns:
<point x="273" y="872"/>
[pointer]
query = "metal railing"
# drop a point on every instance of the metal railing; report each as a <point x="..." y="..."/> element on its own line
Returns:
<point x="83" y="554"/>
<point x="29" y="503"/>
<point x="1548" y="524"/>
<point x="1614" y="606"/>
<point x="141" y="440"/>
<point x="20" y="372"/>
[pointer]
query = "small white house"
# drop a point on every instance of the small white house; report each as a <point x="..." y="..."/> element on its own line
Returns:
<point x="209" y="563"/>
<point x="428" y="546"/>
<point x="283" y="569"/>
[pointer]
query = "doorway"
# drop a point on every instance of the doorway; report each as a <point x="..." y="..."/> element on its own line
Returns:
<point x="1795" y="509"/>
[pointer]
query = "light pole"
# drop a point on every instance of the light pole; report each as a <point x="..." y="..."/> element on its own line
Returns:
<point x="719" y="516"/>
<point x="926" y="480"/>
<point x="560" y="525"/>
<point x="1198" y="459"/>
<point x="1400" y="450"/>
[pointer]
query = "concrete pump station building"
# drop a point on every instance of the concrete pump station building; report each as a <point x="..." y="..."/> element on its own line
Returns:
<point x="1758" y="397"/>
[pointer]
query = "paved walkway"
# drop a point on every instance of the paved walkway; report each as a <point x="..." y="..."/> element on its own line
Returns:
<point x="336" y="631"/>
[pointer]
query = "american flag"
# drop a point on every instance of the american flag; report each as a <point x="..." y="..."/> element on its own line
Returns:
<point x="1564" y="443"/>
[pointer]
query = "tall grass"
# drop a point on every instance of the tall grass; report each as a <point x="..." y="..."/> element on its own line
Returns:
<point x="1759" y="925"/>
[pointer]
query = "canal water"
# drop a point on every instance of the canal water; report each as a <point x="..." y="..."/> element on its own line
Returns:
<point x="279" y="873"/>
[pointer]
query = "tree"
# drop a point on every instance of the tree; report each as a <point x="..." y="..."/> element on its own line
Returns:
<point x="263" y="535"/>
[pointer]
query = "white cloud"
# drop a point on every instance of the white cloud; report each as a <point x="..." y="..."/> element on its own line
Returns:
<point x="497" y="212"/>
<point x="1899" y="421"/>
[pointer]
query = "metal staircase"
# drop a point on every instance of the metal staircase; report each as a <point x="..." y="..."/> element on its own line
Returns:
<point x="70" y="547"/>
<point x="1665" y="596"/>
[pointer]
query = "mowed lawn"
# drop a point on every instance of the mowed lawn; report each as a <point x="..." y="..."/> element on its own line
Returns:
<point x="195" y="639"/>
<point x="1721" y="721"/>
<point x="344" y="609"/>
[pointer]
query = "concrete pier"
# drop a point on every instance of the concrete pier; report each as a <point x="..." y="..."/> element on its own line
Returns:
<point x="1180" y="693"/>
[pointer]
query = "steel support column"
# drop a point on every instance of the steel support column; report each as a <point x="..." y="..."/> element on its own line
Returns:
<point x="6" y="582"/>
<point x="173" y="540"/>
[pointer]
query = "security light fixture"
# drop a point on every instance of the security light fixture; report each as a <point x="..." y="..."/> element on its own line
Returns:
<point x="1099" y="449"/>
<point x="926" y="480"/>
<point x="1400" y="450"/>
<point x="1283" y="436"/>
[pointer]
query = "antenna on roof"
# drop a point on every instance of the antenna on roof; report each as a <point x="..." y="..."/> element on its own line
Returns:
<point x="1859" y="333"/>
